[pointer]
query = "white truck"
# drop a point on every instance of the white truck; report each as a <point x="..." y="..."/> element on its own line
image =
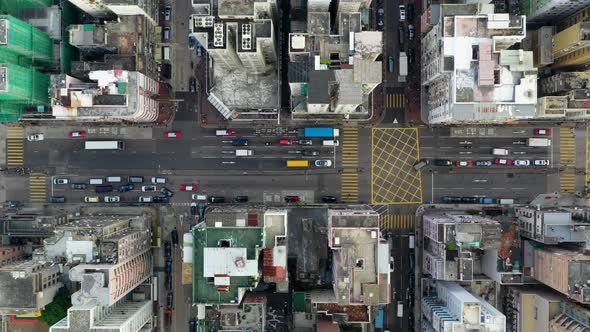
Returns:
<point x="539" y="142"/>
<point x="243" y="153"/>
<point x="403" y="67"/>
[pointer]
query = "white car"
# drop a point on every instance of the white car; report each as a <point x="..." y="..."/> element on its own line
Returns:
<point x="158" y="180"/>
<point x="35" y="137"/>
<point x="323" y="163"/>
<point x="402" y="13"/>
<point x="522" y="162"/>
<point x="112" y="199"/>
<point x="541" y="162"/>
<point x="148" y="188"/>
<point x="61" y="181"/>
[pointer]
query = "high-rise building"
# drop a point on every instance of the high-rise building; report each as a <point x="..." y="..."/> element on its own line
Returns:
<point x="22" y="48"/>
<point x="110" y="95"/>
<point x="26" y="287"/>
<point x="453" y="245"/>
<point x="565" y="270"/>
<point x="334" y="74"/>
<point x="530" y="308"/>
<point x="109" y="8"/>
<point x="447" y="307"/>
<point x="550" y="10"/>
<point x="127" y="315"/>
<point x="552" y="226"/>
<point x="241" y="41"/>
<point x="476" y="78"/>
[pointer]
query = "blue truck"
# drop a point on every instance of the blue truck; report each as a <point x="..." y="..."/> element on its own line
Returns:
<point x="486" y="200"/>
<point x="379" y="318"/>
<point x="319" y="132"/>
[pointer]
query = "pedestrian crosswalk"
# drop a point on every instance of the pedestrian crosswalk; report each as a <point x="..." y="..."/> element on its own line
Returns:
<point x="38" y="188"/>
<point x="349" y="178"/>
<point x="350" y="147"/>
<point x="395" y="100"/>
<point x="14" y="147"/>
<point x="567" y="160"/>
<point x="397" y="221"/>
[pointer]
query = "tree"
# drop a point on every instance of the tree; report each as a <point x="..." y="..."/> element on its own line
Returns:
<point x="56" y="310"/>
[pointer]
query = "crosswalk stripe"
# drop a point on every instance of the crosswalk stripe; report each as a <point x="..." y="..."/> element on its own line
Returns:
<point x="395" y="100"/>
<point x="14" y="146"/>
<point x="567" y="158"/>
<point x="397" y="221"/>
<point x="38" y="188"/>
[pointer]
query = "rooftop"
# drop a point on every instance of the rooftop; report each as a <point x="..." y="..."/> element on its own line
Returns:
<point x="225" y="288"/>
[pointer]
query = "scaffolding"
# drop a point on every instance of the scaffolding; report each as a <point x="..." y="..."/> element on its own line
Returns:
<point x="23" y="85"/>
<point x="22" y="39"/>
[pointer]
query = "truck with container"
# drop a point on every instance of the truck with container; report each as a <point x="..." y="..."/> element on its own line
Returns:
<point x="243" y="153"/>
<point x="379" y="318"/>
<point x="403" y="66"/>
<point x="319" y="132"/>
<point x="538" y="142"/>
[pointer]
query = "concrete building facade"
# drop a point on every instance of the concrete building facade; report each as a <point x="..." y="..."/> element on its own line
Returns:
<point x="240" y="39"/>
<point x="447" y="307"/>
<point x="565" y="270"/>
<point x="110" y="8"/>
<point x="330" y="74"/>
<point x="26" y="287"/>
<point x="453" y="245"/>
<point x="552" y="226"/>
<point x="111" y="95"/>
<point x="550" y="10"/>
<point x="476" y="78"/>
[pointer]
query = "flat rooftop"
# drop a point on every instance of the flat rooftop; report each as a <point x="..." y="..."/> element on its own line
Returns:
<point x="204" y="289"/>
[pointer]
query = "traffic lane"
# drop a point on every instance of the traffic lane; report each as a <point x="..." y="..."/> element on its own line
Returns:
<point x="229" y="186"/>
<point x="391" y="42"/>
<point x="523" y="187"/>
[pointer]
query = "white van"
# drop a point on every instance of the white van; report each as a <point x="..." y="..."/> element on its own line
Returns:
<point x="331" y="142"/>
<point x="167" y="53"/>
<point x="500" y="152"/>
<point x="506" y="201"/>
<point x="114" y="179"/>
<point x="224" y="132"/>
<point x="197" y="197"/>
<point x="96" y="181"/>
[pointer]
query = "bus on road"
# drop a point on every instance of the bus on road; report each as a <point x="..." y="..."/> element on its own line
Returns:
<point x="104" y="145"/>
<point x="298" y="163"/>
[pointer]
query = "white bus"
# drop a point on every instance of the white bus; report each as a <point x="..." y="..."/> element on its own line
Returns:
<point x="104" y="145"/>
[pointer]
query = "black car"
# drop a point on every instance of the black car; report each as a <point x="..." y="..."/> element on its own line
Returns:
<point x="107" y="188"/>
<point x="168" y="250"/>
<point x="411" y="56"/>
<point x="442" y="162"/>
<point x="192" y="325"/>
<point x="216" y="199"/>
<point x="193" y="208"/>
<point x="329" y="199"/>
<point x="168" y="267"/>
<point x="201" y="207"/>
<point x="170" y="301"/>
<point x="166" y="192"/>
<point x="450" y="199"/>
<point x="167" y="71"/>
<point x="168" y="281"/>
<point x="410" y="12"/>
<point x="193" y="85"/>
<point x="160" y="199"/>
<point x="310" y="152"/>
<point x="241" y="199"/>
<point x="78" y="186"/>
<point x="174" y="236"/>
<point x="470" y="200"/>
<point x="125" y="187"/>
<point x="57" y="199"/>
